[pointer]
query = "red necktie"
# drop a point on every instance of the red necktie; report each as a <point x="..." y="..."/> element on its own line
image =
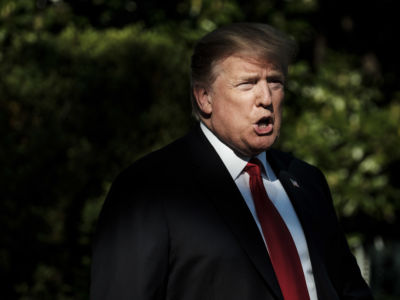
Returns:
<point x="282" y="250"/>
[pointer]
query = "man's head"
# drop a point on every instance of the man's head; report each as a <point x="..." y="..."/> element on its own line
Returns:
<point x="238" y="75"/>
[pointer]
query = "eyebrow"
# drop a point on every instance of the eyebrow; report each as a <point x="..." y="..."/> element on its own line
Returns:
<point x="276" y="75"/>
<point x="248" y="77"/>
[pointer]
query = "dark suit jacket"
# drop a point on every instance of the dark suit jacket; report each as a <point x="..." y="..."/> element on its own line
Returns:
<point x="175" y="226"/>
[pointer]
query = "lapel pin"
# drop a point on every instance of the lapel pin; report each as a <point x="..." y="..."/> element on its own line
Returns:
<point x="294" y="182"/>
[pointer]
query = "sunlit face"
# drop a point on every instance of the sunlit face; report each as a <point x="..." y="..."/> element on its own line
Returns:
<point x="244" y="104"/>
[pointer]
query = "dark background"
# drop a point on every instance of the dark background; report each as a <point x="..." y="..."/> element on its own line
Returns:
<point x="88" y="86"/>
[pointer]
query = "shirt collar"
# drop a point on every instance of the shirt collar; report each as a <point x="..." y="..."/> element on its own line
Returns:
<point x="234" y="163"/>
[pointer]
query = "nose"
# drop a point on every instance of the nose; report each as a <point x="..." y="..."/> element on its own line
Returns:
<point x="264" y="97"/>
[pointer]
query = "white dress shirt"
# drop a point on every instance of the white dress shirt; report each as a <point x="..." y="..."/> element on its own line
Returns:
<point x="276" y="193"/>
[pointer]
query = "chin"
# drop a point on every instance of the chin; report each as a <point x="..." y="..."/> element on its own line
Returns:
<point x="255" y="146"/>
<point x="265" y="143"/>
<point x="257" y="149"/>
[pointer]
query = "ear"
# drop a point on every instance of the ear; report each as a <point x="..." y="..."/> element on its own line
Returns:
<point x="203" y="99"/>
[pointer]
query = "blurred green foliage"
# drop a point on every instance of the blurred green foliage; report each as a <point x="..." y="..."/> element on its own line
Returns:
<point x="340" y="125"/>
<point x="87" y="87"/>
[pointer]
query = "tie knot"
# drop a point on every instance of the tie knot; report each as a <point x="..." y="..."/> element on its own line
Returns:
<point x="254" y="167"/>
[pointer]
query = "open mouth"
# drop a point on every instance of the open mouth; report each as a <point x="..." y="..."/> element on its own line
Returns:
<point x="264" y="126"/>
<point x="264" y="122"/>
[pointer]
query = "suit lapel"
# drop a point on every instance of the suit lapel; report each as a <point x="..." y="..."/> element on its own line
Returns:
<point x="296" y="191"/>
<point x="297" y="195"/>
<point x="217" y="183"/>
<point x="302" y="200"/>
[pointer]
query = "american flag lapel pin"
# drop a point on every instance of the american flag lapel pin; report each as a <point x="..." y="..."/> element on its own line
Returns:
<point x="294" y="182"/>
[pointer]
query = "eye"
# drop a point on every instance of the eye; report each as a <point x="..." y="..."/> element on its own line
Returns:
<point x="253" y="81"/>
<point x="247" y="84"/>
<point x="276" y="82"/>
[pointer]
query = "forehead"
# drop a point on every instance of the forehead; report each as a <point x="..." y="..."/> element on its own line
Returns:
<point x="237" y="65"/>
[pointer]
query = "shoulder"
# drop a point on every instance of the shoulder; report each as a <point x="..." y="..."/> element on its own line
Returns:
<point x="165" y="168"/>
<point x="153" y="180"/>
<point x="140" y="186"/>
<point x="161" y="162"/>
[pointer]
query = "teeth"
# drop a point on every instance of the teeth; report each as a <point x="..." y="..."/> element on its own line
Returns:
<point x="263" y="125"/>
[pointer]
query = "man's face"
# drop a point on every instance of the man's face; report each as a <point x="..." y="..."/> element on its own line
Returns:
<point x="244" y="104"/>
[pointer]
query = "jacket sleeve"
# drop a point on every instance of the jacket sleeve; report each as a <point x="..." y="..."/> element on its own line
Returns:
<point x="130" y="249"/>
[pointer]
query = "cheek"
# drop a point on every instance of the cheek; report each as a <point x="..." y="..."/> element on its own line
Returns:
<point x="278" y="105"/>
<point x="234" y="108"/>
<point x="278" y="113"/>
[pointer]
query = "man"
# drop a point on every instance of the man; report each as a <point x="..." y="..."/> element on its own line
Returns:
<point x="218" y="214"/>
